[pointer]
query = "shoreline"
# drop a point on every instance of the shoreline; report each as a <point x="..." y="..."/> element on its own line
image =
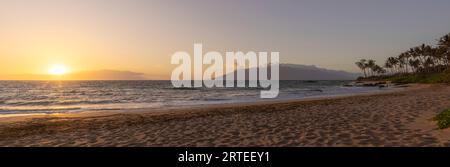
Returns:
<point x="90" y="113"/>
<point x="397" y="118"/>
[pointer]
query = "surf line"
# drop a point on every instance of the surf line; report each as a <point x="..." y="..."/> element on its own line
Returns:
<point x="257" y="66"/>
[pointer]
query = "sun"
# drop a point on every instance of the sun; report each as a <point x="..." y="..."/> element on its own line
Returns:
<point x="57" y="69"/>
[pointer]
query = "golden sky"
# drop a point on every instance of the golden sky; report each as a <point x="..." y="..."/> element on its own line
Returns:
<point x="82" y="36"/>
<point x="139" y="36"/>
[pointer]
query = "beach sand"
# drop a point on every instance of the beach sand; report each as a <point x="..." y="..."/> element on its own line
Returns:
<point x="399" y="118"/>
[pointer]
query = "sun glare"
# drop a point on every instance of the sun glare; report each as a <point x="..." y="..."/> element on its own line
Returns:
<point x="57" y="69"/>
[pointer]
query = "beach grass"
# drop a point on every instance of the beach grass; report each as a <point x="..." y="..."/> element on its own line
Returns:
<point x="443" y="119"/>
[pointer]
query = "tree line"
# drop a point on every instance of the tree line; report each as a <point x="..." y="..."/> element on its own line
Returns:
<point x="419" y="59"/>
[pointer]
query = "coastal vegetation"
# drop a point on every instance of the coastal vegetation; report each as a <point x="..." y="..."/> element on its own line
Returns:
<point x="420" y="64"/>
<point x="443" y="119"/>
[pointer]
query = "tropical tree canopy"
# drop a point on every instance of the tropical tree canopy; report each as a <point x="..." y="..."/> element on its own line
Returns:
<point x="420" y="59"/>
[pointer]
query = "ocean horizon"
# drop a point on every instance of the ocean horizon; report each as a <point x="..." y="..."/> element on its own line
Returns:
<point x="52" y="96"/>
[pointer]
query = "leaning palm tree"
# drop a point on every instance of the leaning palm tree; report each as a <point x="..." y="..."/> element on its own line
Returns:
<point x="429" y="63"/>
<point x="370" y="65"/>
<point x="400" y="64"/>
<point x="414" y="64"/>
<point x="374" y="69"/>
<point x="441" y="54"/>
<point x="393" y="62"/>
<point x="414" y="54"/>
<point x="403" y="62"/>
<point x="444" y="43"/>
<point x="362" y="65"/>
<point x="389" y="66"/>
<point x="407" y="56"/>
<point x="421" y="53"/>
<point x="378" y="69"/>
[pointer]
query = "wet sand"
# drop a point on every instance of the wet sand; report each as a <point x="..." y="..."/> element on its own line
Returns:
<point x="400" y="118"/>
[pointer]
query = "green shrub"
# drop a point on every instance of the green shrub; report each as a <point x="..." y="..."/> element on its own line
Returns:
<point x="443" y="119"/>
<point x="441" y="77"/>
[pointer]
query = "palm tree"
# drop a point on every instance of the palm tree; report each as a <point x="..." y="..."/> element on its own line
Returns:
<point x="441" y="54"/>
<point x="403" y="62"/>
<point x="362" y="65"/>
<point x="444" y="44"/>
<point x="371" y="64"/>
<point x="445" y="41"/>
<point x="422" y="58"/>
<point x="429" y="63"/>
<point x="378" y="69"/>
<point x="400" y="64"/>
<point x="393" y="62"/>
<point x="420" y="52"/>
<point x="407" y="56"/>
<point x="415" y="55"/>
<point x="388" y="65"/>
<point x="414" y="64"/>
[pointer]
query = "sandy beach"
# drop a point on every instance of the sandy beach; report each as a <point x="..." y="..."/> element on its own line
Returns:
<point x="399" y="118"/>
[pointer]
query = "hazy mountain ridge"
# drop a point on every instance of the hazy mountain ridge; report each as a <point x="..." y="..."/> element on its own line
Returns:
<point x="310" y="72"/>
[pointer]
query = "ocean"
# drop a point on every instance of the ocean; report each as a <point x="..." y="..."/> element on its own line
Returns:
<point x="31" y="97"/>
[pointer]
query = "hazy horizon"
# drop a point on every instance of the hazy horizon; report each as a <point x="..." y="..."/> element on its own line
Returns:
<point x="139" y="36"/>
<point x="288" y="72"/>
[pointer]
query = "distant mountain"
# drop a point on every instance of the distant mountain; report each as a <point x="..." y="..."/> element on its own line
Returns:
<point x="304" y="72"/>
<point x="310" y="72"/>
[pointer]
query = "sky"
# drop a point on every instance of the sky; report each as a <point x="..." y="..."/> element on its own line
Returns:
<point x="140" y="36"/>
